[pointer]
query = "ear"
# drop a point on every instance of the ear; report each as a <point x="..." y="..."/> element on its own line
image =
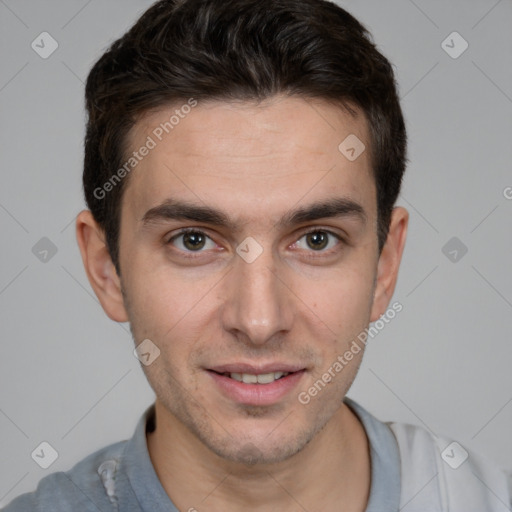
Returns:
<point x="389" y="262"/>
<point x="99" y="267"/>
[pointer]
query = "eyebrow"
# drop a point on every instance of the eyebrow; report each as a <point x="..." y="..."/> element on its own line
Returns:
<point x="173" y="209"/>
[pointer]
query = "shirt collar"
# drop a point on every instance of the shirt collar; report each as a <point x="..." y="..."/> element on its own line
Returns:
<point x="385" y="484"/>
<point x="140" y="471"/>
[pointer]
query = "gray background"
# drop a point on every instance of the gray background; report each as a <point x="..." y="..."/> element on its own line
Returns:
<point x="67" y="373"/>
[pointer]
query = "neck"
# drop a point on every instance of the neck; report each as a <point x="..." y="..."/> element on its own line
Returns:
<point x="331" y="473"/>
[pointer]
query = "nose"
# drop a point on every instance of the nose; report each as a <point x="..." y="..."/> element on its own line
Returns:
<point x="258" y="305"/>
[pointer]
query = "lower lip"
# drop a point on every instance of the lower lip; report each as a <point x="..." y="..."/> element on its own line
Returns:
<point x="256" y="394"/>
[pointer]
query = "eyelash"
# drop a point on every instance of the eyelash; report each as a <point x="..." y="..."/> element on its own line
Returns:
<point x="184" y="231"/>
<point x="196" y="254"/>
<point x="313" y="254"/>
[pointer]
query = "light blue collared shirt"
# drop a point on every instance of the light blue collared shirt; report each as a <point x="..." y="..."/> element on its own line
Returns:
<point x="121" y="476"/>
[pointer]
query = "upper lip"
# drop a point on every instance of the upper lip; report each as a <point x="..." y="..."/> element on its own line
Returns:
<point x="256" y="369"/>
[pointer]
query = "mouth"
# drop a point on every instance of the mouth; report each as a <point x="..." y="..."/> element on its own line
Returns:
<point x="266" y="385"/>
<point x="251" y="378"/>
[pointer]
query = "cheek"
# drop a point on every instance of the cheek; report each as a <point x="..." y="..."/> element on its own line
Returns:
<point x="171" y="309"/>
<point x="159" y="292"/>
<point x="341" y="299"/>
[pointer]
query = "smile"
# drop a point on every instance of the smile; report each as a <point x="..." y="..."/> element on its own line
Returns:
<point x="251" y="386"/>
<point x="263" y="378"/>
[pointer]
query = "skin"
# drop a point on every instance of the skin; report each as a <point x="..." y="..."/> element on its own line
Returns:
<point x="299" y="301"/>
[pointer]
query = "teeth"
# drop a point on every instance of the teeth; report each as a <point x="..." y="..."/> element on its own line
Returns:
<point x="247" y="378"/>
<point x="264" y="378"/>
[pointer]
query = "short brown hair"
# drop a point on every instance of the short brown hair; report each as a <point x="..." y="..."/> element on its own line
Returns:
<point x="238" y="50"/>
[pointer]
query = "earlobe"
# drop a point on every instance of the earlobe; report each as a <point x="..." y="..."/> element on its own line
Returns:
<point x="99" y="266"/>
<point x="389" y="262"/>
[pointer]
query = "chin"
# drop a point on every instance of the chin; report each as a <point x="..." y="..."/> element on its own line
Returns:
<point x="272" y="444"/>
<point x="249" y="435"/>
<point x="251" y="453"/>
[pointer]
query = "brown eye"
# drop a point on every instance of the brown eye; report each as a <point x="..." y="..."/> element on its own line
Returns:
<point x="192" y="241"/>
<point x="317" y="240"/>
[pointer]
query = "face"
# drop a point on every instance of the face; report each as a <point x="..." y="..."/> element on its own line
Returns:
<point x="249" y="252"/>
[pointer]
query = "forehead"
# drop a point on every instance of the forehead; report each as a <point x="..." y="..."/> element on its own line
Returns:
<point x="236" y="156"/>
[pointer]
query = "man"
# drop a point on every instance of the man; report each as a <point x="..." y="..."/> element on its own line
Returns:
<point x="242" y="162"/>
